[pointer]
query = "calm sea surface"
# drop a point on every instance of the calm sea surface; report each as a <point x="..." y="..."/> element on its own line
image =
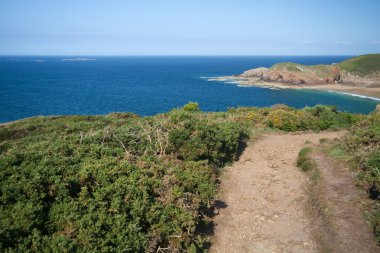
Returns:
<point x="32" y="86"/>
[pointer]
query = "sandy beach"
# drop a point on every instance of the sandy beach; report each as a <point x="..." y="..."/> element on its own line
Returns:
<point x="369" y="92"/>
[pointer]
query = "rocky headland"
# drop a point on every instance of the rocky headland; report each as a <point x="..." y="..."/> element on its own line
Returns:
<point x="358" y="75"/>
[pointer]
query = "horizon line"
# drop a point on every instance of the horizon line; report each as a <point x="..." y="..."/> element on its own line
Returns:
<point x="171" y="55"/>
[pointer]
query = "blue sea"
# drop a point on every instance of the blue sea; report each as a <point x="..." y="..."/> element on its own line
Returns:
<point x="31" y="86"/>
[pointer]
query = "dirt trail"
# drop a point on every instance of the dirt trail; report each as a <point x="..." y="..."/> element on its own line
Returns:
<point x="265" y="197"/>
<point x="339" y="210"/>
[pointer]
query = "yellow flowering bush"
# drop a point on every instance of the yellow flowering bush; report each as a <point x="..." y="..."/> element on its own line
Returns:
<point x="284" y="120"/>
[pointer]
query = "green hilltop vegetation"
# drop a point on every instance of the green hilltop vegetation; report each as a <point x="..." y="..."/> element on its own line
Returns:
<point x="319" y="70"/>
<point x="363" y="65"/>
<point x="124" y="183"/>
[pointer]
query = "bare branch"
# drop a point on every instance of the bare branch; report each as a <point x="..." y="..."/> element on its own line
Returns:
<point x="161" y="250"/>
<point x="146" y="132"/>
<point x="105" y="134"/>
<point x="122" y="144"/>
<point x="81" y="138"/>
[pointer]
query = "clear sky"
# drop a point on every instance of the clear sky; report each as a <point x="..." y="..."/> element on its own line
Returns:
<point x="193" y="27"/>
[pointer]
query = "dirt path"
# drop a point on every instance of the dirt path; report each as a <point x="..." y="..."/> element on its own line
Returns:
<point x="338" y="213"/>
<point x="265" y="196"/>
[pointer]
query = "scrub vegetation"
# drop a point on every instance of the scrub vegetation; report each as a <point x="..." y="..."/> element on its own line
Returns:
<point x="361" y="148"/>
<point x="123" y="183"/>
<point x="363" y="65"/>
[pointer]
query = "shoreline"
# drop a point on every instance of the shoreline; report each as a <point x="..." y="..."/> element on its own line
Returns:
<point x="356" y="91"/>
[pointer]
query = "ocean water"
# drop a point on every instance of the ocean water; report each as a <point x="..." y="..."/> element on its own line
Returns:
<point x="31" y="86"/>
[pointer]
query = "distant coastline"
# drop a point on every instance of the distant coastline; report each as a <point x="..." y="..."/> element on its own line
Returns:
<point x="352" y="90"/>
<point x="358" y="76"/>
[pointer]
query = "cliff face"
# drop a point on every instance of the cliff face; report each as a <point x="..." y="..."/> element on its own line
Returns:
<point x="298" y="74"/>
<point x="292" y="73"/>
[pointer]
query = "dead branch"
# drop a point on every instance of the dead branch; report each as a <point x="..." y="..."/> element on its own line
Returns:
<point x="161" y="250"/>
<point x="146" y="132"/>
<point x="124" y="147"/>
<point x="81" y="138"/>
<point x="105" y="134"/>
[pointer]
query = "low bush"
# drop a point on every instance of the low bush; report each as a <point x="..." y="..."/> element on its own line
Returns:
<point x="191" y="107"/>
<point x="285" y="118"/>
<point x="304" y="162"/>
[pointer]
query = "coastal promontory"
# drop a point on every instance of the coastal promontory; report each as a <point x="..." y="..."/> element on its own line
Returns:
<point x="364" y="70"/>
<point x="358" y="75"/>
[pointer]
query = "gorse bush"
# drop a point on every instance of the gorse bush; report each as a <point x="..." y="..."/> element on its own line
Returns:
<point x="285" y="118"/>
<point x="191" y="107"/>
<point x="217" y="143"/>
<point x="114" y="183"/>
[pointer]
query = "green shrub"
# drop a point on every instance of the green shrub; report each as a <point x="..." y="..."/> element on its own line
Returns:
<point x="198" y="139"/>
<point x="191" y="107"/>
<point x="327" y="117"/>
<point x="283" y="120"/>
<point x="111" y="183"/>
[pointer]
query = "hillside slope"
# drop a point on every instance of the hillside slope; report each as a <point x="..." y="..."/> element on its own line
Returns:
<point x="364" y="65"/>
<point x="122" y="183"/>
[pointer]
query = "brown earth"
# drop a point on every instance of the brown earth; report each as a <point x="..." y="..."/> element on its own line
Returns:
<point x="267" y="202"/>
<point x="338" y="206"/>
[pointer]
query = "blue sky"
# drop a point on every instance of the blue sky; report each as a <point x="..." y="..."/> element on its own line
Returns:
<point x="196" y="27"/>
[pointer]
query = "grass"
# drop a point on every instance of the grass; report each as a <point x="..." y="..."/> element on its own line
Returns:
<point x="304" y="162"/>
<point x="360" y="149"/>
<point x="338" y="153"/>
<point x="363" y="65"/>
<point x="289" y="66"/>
